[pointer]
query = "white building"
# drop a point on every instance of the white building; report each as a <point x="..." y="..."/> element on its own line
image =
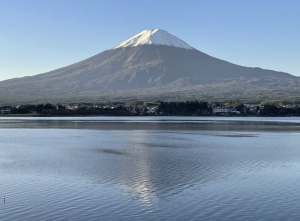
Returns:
<point x="5" y="110"/>
<point x="152" y="110"/>
<point x="225" y="110"/>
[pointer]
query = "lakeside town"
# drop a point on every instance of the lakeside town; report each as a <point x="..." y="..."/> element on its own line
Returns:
<point x="187" y="108"/>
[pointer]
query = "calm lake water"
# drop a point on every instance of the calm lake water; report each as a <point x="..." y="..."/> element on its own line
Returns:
<point x="158" y="168"/>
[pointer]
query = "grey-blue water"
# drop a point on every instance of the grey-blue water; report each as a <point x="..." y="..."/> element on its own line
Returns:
<point x="159" y="168"/>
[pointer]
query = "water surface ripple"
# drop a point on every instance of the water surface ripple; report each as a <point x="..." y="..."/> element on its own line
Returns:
<point x="145" y="169"/>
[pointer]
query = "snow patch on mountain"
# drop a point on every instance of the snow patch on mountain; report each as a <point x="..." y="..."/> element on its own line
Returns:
<point x="154" y="37"/>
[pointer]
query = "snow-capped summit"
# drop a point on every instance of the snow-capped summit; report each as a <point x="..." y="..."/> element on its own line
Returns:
<point x="156" y="37"/>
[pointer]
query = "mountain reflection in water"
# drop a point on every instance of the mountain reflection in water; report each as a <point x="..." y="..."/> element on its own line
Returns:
<point x="141" y="169"/>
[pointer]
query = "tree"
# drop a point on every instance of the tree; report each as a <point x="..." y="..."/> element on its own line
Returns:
<point x="271" y="110"/>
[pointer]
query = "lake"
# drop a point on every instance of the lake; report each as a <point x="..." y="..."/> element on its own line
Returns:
<point x="149" y="168"/>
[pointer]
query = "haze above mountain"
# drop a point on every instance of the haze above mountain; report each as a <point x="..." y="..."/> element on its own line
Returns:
<point x="151" y="65"/>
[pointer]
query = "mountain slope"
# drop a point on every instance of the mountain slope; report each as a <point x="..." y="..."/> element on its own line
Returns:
<point x="149" y="64"/>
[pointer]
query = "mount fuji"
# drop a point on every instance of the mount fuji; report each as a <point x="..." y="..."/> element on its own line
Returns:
<point x="151" y="65"/>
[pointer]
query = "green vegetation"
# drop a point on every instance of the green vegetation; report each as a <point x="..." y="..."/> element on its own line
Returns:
<point x="185" y="108"/>
<point x="73" y="110"/>
<point x="140" y="108"/>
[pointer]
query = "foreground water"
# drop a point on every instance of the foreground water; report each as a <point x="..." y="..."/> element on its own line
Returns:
<point x="150" y="168"/>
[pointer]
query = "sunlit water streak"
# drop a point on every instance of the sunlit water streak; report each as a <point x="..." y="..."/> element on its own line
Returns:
<point x="174" y="172"/>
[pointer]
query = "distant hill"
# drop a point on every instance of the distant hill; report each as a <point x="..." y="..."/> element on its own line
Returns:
<point x="151" y="65"/>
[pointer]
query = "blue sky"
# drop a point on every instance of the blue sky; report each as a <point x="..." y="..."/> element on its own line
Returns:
<point x="37" y="36"/>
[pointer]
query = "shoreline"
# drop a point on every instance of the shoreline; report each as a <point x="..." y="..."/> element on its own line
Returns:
<point x="219" y="116"/>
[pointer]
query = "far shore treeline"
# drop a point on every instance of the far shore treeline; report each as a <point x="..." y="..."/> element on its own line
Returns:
<point x="185" y="108"/>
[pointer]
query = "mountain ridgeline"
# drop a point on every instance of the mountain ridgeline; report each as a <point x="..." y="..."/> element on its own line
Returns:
<point x="151" y="65"/>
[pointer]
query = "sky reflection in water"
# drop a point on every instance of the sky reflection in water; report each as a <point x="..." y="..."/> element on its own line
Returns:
<point x="149" y="171"/>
